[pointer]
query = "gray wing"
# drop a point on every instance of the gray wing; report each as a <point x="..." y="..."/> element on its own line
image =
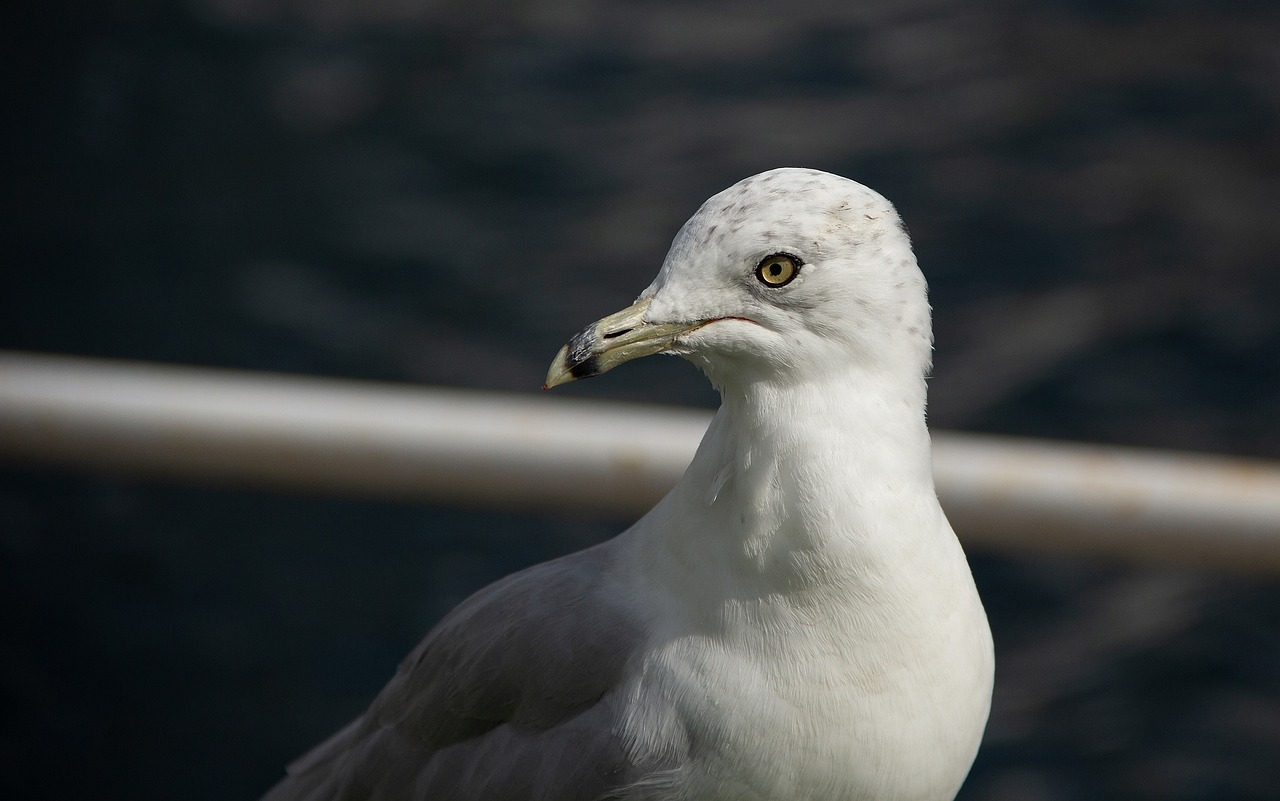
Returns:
<point x="502" y="700"/>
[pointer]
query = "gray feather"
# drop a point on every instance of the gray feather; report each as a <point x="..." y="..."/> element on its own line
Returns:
<point x="504" y="699"/>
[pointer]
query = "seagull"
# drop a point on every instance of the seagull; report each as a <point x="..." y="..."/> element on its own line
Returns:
<point x="794" y="621"/>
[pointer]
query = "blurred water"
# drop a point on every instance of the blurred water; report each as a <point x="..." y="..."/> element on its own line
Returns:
<point x="442" y="193"/>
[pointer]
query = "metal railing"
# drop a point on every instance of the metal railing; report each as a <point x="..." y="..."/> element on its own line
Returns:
<point x="545" y="453"/>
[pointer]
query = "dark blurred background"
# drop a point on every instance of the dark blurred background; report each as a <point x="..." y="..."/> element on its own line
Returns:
<point x="442" y="192"/>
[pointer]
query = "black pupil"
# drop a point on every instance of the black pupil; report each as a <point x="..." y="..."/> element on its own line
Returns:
<point x="775" y="269"/>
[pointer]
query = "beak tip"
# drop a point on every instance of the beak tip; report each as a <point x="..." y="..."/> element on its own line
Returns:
<point x="560" y="372"/>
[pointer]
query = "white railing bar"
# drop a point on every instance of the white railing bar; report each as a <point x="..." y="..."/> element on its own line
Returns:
<point x="556" y="454"/>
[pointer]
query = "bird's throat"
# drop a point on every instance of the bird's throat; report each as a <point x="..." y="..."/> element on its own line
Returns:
<point x="791" y="489"/>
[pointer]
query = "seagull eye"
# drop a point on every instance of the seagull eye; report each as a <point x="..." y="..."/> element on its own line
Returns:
<point x="778" y="270"/>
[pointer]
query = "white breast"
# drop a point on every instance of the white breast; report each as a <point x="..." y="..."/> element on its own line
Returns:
<point x="806" y="715"/>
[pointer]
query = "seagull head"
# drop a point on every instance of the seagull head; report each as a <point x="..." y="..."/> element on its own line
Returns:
<point x="786" y="275"/>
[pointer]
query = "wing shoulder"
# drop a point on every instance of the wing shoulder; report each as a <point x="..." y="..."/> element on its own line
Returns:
<point x="514" y="673"/>
<point x="532" y="650"/>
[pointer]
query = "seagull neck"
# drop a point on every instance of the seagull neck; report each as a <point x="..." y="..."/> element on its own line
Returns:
<point x="796" y="450"/>
<point x="854" y="418"/>
<point x="806" y="486"/>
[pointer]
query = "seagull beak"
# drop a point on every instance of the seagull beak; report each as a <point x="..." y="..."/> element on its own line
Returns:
<point x="609" y="342"/>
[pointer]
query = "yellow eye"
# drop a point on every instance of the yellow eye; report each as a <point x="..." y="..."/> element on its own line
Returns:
<point x="778" y="270"/>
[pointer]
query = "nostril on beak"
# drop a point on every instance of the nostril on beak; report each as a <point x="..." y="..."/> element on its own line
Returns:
<point x="616" y="334"/>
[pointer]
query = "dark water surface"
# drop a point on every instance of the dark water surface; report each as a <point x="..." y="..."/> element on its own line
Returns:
<point x="441" y="193"/>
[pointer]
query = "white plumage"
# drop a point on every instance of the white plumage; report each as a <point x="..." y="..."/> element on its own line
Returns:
<point x="795" y="621"/>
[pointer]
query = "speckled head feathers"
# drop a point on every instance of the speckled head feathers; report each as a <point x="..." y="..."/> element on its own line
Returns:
<point x="859" y="298"/>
